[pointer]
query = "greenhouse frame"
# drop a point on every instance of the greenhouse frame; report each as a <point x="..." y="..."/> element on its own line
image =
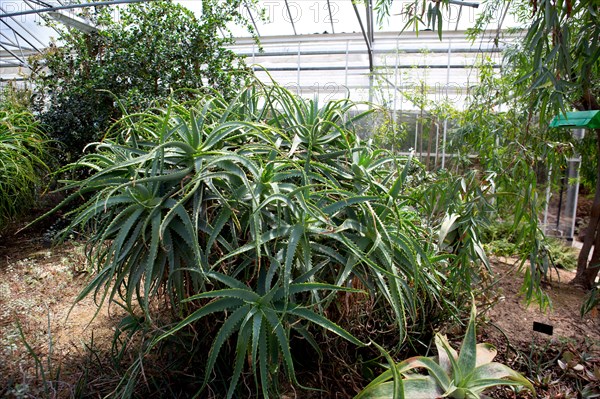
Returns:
<point x="373" y="65"/>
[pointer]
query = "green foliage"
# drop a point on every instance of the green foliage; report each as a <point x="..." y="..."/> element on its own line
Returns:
<point x="260" y="209"/>
<point x="466" y="374"/>
<point x="141" y="53"/>
<point x="553" y="69"/>
<point x="388" y="132"/>
<point x="509" y="149"/>
<point x="561" y="255"/>
<point x="413" y="13"/>
<point x="563" y="39"/>
<point x="24" y="151"/>
<point x="555" y="66"/>
<point x="588" y="169"/>
<point x="591" y="301"/>
<point x="503" y="247"/>
<point x="501" y="240"/>
<point x="260" y="320"/>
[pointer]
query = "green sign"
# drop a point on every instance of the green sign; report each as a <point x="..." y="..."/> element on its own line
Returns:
<point x="582" y="119"/>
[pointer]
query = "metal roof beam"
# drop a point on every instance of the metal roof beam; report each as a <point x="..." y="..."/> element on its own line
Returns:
<point x="21" y="60"/>
<point x="42" y="4"/>
<point x="21" y="36"/>
<point x="252" y="18"/>
<point x="365" y="36"/>
<point x="330" y="16"/>
<point x="11" y="44"/>
<point x="461" y="50"/>
<point x="287" y="5"/>
<point x="71" y="6"/>
<point x="20" y="25"/>
<point x="41" y="15"/>
<point x="364" y="68"/>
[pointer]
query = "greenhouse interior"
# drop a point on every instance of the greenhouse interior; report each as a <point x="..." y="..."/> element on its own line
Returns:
<point x="299" y="199"/>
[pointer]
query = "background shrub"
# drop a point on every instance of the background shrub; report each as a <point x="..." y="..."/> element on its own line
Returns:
<point x="24" y="151"/>
<point x="140" y="54"/>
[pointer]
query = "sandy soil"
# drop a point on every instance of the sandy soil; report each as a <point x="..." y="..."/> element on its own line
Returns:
<point x="516" y="319"/>
<point x="38" y="286"/>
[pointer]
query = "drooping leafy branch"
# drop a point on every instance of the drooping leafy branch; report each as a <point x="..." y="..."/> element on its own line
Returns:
<point x="552" y="68"/>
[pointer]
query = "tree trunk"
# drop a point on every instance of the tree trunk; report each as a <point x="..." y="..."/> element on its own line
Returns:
<point x="587" y="272"/>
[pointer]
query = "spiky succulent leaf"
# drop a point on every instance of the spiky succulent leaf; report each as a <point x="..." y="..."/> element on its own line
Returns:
<point x="454" y="375"/>
<point x="485" y="354"/>
<point x="447" y="356"/>
<point x="418" y="387"/>
<point x="493" y="374"/>
<point x="467" y="357"/>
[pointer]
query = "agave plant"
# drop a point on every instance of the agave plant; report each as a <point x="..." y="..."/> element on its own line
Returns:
<point x="451" y="375"/>
<point x="24" y="151"/>
<point x="254" y="212"/>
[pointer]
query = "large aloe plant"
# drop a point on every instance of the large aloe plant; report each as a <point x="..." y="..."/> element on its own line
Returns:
<point x="260" y="209"/>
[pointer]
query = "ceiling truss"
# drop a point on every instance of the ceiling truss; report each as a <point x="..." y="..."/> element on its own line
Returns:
<point x="17" y="42"/>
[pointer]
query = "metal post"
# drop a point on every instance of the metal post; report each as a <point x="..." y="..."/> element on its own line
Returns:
<point x="396" y="76"/>
<point x="298" y="71"/>
<point x="437" y="143"/>
<point x="346" y="76"/>
<point x="447" y="89"/>
<point x="444" y="143"/>
<point x="370" y="22"/>
<point x="547" y="200"/>
<point x="371" y="29"/>
<point x="572" y="174"/>
<point x="367" y="37"/>
<point x="394" y="108"/>
<point x="448" y="67"/>
<point x="416" y="134"/>
<point x="287" y="6"/>
<point x="346" y="68"/>
<point x="252" y="19"/>
<point x="576" y="199"/>
<point x="457" y="18"/>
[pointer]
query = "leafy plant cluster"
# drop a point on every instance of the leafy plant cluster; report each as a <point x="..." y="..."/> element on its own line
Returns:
<point x="252" y="218"/>
<point x="24" y="153"/>
<point x="500" y="239"/>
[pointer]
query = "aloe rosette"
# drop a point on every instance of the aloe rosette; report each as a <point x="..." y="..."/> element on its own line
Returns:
<point x="450" y="375"/>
